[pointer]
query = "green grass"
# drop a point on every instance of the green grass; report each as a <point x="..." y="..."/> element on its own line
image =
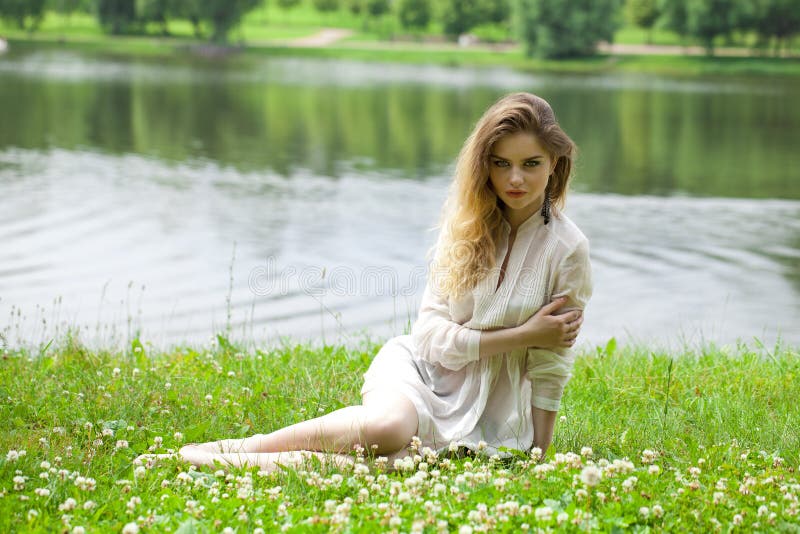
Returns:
<point x="720" y="424"/>
<point x="267" y="29"/>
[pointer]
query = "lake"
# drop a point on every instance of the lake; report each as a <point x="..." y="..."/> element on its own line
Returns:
<point x="269" y="197"/>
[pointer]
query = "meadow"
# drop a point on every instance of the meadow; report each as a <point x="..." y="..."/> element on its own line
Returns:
<point x="699" y="440"/>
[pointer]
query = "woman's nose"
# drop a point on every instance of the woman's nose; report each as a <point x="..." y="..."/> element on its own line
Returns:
<point x="516" y="176"/>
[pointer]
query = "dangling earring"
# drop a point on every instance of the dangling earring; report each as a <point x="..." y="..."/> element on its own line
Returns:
<point x="546" y="203"/>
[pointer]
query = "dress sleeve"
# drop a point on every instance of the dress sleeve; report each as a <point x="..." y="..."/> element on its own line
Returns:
<point x="549" y="370"/>
<point x="573" y="278"/>
<point x="438" y="338"/>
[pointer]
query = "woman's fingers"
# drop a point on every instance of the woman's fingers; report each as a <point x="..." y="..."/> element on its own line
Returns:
<point x="552" y="307"/>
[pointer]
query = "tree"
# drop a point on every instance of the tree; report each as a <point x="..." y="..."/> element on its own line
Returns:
<point x="414" y="14"/>
<point x="776" y="20"/>
<point x="26" y="14"/>
<point x="673" y="17"/>
<point x="643" y="14"/>
<point x="707" y="19"/>
<point x="326" y="6"/>
<point x="157" y="11"/>
<point x="224" y="15"/>
<point x="493" y="11"/>
<point x="565" y="28"/>
<point x="458" y="16"/>
<point x="116" y="16"/>
<point x="190" y="10"/>
<point x="376" y="8"/>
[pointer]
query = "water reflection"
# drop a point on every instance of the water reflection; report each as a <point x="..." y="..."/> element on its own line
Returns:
<point x="125" y="184"/>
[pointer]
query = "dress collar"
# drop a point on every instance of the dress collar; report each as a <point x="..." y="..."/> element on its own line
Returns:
<point x="534" y="221"/>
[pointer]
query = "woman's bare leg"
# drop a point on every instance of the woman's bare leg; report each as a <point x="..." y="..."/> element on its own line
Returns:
<point x="266" y="461"/>
<point x="386" y="419"/>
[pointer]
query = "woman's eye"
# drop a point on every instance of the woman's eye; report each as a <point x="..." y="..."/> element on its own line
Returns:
<point x="533" y="163"/>
<point x="500" y="163"/>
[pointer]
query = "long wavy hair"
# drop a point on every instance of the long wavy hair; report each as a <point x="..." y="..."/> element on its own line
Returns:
<point x="473" y="213"/>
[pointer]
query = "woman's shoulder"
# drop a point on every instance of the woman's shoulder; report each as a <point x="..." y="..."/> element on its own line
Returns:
<point x="567" y="233"/>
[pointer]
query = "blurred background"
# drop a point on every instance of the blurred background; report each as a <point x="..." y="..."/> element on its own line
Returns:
<point x="174" y="169"/>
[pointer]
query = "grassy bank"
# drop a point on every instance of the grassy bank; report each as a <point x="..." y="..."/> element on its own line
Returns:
<point x="680" y="442"/>
<point x="270" y="32"/>
<point x="417" y="53"/>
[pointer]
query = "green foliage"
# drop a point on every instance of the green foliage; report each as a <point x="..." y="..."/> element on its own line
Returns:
<point x="224" y="15"/>
<point x="116" y="16"/>
<point x="708" y="19"/>
<point x="26" y="14"/>
<point x="414" y="14"/>
<point x="376" y="8"/>
<point x="459" y="16"/>
<point x="642" y="13"/>
<point x="674" y="16"/>
<point x="288" y="4"/>
<point x="326" y="6"/>
<point x="777" y="20"/>
<point x="565" y="28"/>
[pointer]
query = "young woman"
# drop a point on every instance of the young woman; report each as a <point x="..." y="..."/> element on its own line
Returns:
<point x="489" y="355"/>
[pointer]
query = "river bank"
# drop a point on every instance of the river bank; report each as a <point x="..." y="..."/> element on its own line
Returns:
<point x="612" y="59"/>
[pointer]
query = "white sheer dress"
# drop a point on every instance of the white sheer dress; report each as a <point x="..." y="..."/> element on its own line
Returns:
<point x="465" y="399"/>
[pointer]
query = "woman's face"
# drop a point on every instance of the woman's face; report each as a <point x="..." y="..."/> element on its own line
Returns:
<point x="519" y="168"/>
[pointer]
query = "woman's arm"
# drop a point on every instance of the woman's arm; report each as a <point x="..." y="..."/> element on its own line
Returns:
<point x="441" y="340"/>
<point x="546" y="328"/>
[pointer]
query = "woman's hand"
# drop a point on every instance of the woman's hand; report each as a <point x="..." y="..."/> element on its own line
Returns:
<point x="548" y="329"/>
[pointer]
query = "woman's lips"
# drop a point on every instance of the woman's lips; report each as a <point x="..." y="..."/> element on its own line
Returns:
<point x="515" y="194"/>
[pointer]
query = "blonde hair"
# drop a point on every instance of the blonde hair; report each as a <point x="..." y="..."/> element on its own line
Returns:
<point x="472" y="214"/>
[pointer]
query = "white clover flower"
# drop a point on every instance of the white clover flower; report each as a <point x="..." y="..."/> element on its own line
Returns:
<point x="629" y="483"/>
<point x="121" y="444"/>
<point x="227" y="530"/>
<point x="116" y="372"/>
<point x="587" y="452"/>
<point x="563" y="419"/>
<point x="648" y="456"/>
<point x="89" y="505"/>
<point x="130" y="528"/>
<point x="12" y="456"/>
<point x="464" y="529"/>
<point x="581" y="494"/>
<point x="544" y="513"/>
<point x="562" y="518"/>
<point x="536" y="453"/>
<point x="209" y="397"/>
<point x="718" y="498"/>
<point x="644" y="511"/>
<point x="658" y="511"/>
<point x="591" y="476"/>
<point x="78" y="530"/>
<point x="694" y="471"/>
<point x="68" y="505"/>
<point x="762" y="510"/>
<point x="42" y="492"/>
<point x="654" y="469"/>
<point x="19" y="482"/>
<point x="32" y="514"/>
<point x="737" y="519"/>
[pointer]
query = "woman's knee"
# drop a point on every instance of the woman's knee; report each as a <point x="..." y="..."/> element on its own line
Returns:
<point x="390" y="430"/>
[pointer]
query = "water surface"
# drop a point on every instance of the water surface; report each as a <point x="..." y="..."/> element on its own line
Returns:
<point x="178" y="198"/>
